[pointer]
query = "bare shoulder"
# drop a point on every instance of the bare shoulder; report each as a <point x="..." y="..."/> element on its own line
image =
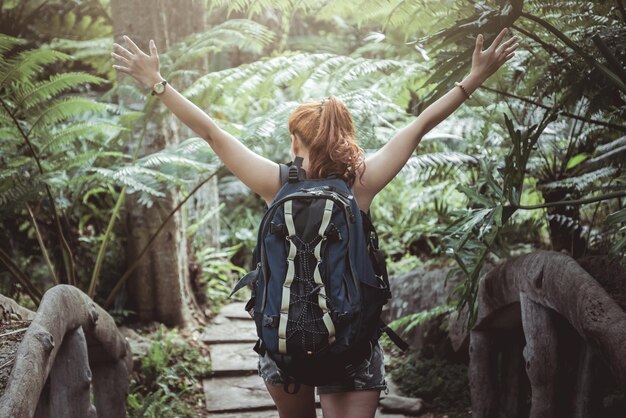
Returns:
<point x="362" y="194"/>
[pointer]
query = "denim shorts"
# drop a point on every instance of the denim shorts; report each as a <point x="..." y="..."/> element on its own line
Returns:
<point x="370" y="374"/>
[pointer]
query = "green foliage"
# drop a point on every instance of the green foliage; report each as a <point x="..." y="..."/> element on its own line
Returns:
<point x="442" y="384"/>
<point x="474" y="233"/>
<point x="63" y="154"/>
<point x="408" y="322"/>
<point x="167" y="379"/>
<point x="218" y="274"/>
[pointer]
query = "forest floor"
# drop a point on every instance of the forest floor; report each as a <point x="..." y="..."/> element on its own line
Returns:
<point x="11" y="334"/>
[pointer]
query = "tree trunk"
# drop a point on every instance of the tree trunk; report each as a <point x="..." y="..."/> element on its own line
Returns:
<point x="564" y="224"/>
<point x="159" y="289"/>
<point x="549" y="287"/>
<point x="51" y="375"/>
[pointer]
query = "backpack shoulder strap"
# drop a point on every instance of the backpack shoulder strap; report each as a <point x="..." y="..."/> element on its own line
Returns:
<point x="377" y="255"/>
<point x="284" y="174"/>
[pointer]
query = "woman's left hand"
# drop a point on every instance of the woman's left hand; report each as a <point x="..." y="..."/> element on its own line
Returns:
<point x="487" y="62"/>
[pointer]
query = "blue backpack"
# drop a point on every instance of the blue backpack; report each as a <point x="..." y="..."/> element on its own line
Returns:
<point x="320" y="281"/>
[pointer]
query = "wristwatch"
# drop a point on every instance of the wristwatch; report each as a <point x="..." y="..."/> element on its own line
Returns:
<point x="159" y="88"/>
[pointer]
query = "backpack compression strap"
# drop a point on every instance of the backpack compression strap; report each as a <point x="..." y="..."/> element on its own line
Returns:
<point x="291" y="269"/>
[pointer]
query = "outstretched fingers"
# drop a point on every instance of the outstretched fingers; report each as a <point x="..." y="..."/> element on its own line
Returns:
<point x="153" y="48"/>
<point x="120" y="59"/>
<point x="479" y="44"/>
<point x="122" y="51"/>
<point x="508" y="49"/>
<point x="132" y="46"/>
<point x="496" y="42"/>
<point x="122" y="69"/>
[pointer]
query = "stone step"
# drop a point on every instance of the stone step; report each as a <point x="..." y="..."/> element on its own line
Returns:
<point x="235" y="311"/>
<point x="226" y="330"/>
<point x="233" y="394"/>
<point x="232" y="397"/>
<point x="274" y="414"/>
<point x="233" y="359"/>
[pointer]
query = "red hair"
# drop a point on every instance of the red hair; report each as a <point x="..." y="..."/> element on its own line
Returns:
<point x="327" y="131"/>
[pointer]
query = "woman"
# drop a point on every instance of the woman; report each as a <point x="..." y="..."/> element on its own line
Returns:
<point x="322" y="133"/>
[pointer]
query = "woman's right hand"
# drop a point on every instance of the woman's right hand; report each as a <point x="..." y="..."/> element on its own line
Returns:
<point x="133" y="61"/>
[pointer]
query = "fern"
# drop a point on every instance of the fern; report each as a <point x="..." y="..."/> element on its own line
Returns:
<point x="425" y="165"/>
<point x="28" y="64"/>
<point x="65" y="108"/>
<point x="59" y="139"/>
<point x="128" y="177"/>
<point x="7" y="43"/>
<point x="40" y="92"/>
<point x="408" y="322"/>
<point x="244" y="35"/>
<point x="583" y="183"/>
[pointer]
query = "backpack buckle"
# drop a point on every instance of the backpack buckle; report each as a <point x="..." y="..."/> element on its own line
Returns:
<point x="293" y="174"/>
<point x="296" y="173"/>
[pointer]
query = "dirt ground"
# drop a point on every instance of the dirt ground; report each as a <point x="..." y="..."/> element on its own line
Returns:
<point x="11" y="335"/>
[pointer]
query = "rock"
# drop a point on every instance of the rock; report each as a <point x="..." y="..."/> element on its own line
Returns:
<point x="417" y="291"/>
<point x="402" y="405"/>
<point x="138" y="343"/>
<point x="421" y="290"/>
<point x="233" y="359"/>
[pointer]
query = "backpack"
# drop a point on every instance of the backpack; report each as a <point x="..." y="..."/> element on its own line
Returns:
<point x="320" y="281"/>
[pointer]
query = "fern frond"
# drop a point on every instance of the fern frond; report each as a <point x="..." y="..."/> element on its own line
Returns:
<point x="616" y="144"/>
<point x="126" y="177"/>
<point x="27" y="64"/>
<point x="245" y="35"/>
<point x="65" y="108"/>
<point x="307" y="75"/>
<point x="86" y="50"/>
<point x="614" y="155"/>
<point x="8" y="42"/>
<point x="34" y="95"/>
<point x="16" y="188"/>
<point x="79" y="132"/>
<point x="426" y="163"/>
<point x="582" y="183"/>
<point x="162" y="158"/>
<point x="80" y="162"/>
<point x="408" y="322"/>
<point x="564" y="220"/>
<point x="191" y="146"/>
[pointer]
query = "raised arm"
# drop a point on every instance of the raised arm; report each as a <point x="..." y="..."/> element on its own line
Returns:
<point x="382" y="166"/>
<point x="258" y="173"/>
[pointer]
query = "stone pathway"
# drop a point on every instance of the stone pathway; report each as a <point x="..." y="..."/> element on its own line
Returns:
<point x="235" y="390"/>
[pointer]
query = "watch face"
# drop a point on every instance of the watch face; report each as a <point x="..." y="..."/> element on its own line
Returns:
<point x="159" y="88"/>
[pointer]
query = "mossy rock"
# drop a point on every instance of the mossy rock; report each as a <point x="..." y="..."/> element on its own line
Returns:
<point x="442" y="384"/>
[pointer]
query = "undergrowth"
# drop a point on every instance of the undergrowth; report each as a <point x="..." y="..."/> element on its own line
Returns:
<point x="166" y="381"/>
<point x="441" y="384"/>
